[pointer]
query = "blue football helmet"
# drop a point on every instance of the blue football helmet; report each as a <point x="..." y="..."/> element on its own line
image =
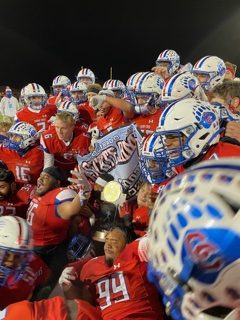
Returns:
<point x="79" y="247"/>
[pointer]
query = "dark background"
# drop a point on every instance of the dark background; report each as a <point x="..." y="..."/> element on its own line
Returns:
<point x="43" y="39"/>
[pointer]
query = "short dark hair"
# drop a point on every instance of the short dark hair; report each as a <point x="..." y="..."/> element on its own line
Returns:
<point x="125" y="230"/>
<point x="6" y="175"/>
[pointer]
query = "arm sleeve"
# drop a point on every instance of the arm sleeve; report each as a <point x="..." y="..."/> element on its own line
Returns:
<point x="48" y="157"/>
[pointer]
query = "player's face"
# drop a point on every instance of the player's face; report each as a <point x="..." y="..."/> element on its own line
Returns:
<point x="5" y="190"/>
<point x="64" y="130"/>
<point x="162" y="69"/>
<point x="115" y="242"/>
<point x="142" y="99"/>
<point x="45" y="183"/>
<point x="36" y="101"/>
<point x="86" y="80"/>
<point x="77" y="94"/>
<point x="202" y="77"/>
<point x="90" y="95"/>
<point x="144" y="197"/>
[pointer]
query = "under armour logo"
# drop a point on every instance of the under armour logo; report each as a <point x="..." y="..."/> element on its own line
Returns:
<point x="115" y="266"/>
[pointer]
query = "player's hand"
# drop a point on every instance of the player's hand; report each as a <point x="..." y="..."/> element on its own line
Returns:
<point x="68" y="275"/>
<point x="97" y="101"/>
<point x="80" y="179"/>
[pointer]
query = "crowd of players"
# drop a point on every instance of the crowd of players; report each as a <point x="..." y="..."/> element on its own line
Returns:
<point x="66" y="253"/>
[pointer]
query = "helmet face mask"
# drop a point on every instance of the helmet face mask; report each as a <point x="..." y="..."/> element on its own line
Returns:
<point x="34" y="96"/>
<point x="15" y="249"/>
<point x="61" y="85"/>
<point x="12" y="265"/>
<point x="147" y="88"/>
<point x="210" y="71"/>
<point x="155" y="167"/>
<point x="170" y="60"/>
<point x="22" y="136"/>
<point x="187" y="128"/>
<point x="80" y="247"/>
<point x="78" y="92"/>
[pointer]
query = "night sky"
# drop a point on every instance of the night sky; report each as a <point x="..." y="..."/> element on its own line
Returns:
<point x="43" y="39"/>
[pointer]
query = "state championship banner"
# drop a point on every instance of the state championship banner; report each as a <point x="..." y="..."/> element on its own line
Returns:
<point x="116" y="153"/>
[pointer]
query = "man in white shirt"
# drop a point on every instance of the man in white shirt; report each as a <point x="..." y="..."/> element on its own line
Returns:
<point x="9" y="104"/>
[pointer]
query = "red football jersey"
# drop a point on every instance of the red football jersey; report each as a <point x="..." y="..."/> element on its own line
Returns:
<point x="36" y="274"/>
<point x="17" y="203"/>
<point x="122" y="291"/>
<point x="148" y="123"/>
<point x="218" y="150"/>
<point x="49" y="309"/>
<point x="26" y="168"/>
<point x="114" y="119"/>
<point x="47" y="226"/>
<point x="65" y="156"/>
<point x="38" y="119"/>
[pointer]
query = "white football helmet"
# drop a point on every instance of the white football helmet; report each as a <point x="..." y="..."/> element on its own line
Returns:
<point x="33" y="91"/>
<point x="194" y="233"/>
<point x="61" y="84"/>
<point x="78" y="90"/>
<point x="172" y="58"/>
<point x="187" y="128"/>
<point x="181" y="86"/>
<point x="22" y="136"/>
<point x="15" y="249"/>
<point x="86" y="75"/>
<point x="70" y="107"/>
<point x="148" y="85"/>
<point x="212" y="68"/>
<point x="117" y="86"/>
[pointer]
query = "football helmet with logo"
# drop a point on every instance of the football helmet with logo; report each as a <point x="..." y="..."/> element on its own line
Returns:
<point x="15" y="249"/>
<point x="210" y="71"/>
<point x="187" y="128"/>
<point x="182" y="86"/>
<point x="194" y="234"/>
<point x="22" y="136"/>
<point x="172" y="58"/>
